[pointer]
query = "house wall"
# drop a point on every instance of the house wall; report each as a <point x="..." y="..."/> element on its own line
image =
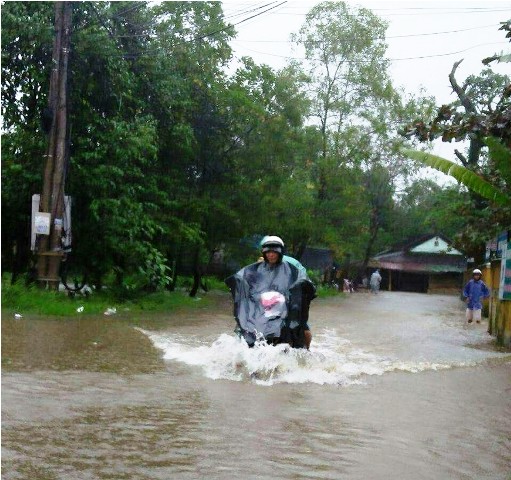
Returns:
<point x="499" y="311"/>
<point x="398" y="281"/>
<point x="435" y="245"/>
<point x="445" y="283"/>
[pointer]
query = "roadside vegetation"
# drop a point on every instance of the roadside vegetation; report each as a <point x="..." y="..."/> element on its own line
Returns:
<point x="22" y="298"/>
<point x="175" y="159"/>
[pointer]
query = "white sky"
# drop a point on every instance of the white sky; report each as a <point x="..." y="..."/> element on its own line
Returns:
<point x="425" y="38"/>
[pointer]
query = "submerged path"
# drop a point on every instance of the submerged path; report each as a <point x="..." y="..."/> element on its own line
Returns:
<point x="395" y="386"/>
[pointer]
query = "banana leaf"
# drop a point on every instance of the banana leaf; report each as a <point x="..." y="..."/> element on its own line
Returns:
<point x="463" y="175"/>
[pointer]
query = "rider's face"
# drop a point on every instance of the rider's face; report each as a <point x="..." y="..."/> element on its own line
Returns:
<point x="272" y="257"/>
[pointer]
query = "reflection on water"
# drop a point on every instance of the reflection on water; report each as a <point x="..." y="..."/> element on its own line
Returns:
<point x="393" y="387"/>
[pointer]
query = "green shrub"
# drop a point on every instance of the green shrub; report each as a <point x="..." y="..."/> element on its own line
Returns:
<point x="327" y="291"/>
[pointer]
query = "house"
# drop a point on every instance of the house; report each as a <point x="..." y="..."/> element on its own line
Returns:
<point x="428" y="264"/>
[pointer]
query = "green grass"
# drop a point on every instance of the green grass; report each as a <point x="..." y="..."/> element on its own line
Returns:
<point x="323" y="291"/>
<point x="23" y="299"/>
<point x="30" y="299"/>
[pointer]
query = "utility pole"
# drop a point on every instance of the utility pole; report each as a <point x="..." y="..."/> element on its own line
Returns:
<point x="50" y="250"/>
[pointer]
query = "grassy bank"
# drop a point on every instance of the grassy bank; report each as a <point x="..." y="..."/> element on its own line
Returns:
<point x="22" y="299"/>
<point x="29" y="299"/>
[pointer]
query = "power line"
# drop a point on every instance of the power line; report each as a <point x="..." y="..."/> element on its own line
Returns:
<point x="123" y="12"/>
<point x="118" y="14"/>
<point x="445" y="54"/>
<point x="444" y="12"/>
<point x="206" y="35"/>
<point x="240" y="22"/>
<point x="387" y="37"/>
<point x="390" y="59"/>
<point x="441" y="33"/>
<point x="457" y="12"/>
<point x="236" y="14"/>
<point x="273" y="7"/>
<point x="436" y="8"/>
<point x="364" y="4"/>
<point x="239" y="13"/>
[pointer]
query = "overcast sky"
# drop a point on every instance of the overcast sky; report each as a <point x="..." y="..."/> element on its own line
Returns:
<point x="425" y="38"/>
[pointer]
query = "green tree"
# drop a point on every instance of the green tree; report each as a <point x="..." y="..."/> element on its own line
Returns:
<point x="347" y="72"/>
<point x="24" y="89"/>
<point x="134" y="76"/>
<point x="425" y="207"/>
<point x="359" y="114"/>
<point x="274" y="153"/>
<point x="346" y="52"/>
<point x="480" y="116"/>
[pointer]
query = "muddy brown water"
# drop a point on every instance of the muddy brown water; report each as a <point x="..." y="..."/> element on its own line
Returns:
<point x="396" y="386"/>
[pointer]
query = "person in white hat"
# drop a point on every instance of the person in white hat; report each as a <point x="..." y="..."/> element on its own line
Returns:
<point x="475" y="290"/>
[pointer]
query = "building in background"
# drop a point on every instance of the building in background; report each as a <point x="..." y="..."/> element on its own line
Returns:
<point x="427" y="264"/>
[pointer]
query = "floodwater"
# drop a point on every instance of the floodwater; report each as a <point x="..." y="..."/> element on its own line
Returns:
<point x="396" y="386"/>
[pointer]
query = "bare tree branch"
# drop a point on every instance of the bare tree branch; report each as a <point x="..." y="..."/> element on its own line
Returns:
<point x="460" y="91"/>
<point x="462" y="157"/>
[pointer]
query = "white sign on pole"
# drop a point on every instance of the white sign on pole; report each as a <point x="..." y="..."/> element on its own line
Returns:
<point x="42" y="223"/>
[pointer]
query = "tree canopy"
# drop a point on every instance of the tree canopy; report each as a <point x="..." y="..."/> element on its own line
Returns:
<point x="480" y="117"/>
<point x="172" y="160"/>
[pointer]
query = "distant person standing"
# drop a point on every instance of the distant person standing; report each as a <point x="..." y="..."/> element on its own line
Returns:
<point x="375" y="281"/>
<point x="474" y="291"/>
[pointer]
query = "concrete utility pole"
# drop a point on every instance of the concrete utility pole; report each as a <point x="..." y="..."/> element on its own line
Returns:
<point x="52" y="198"/>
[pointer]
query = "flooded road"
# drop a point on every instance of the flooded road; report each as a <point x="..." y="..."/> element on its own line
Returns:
<point x="396" y="385"/>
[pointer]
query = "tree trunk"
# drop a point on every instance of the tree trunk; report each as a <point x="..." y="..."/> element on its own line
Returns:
<point x="373" y="234"/>
<point x="196" y="274"/>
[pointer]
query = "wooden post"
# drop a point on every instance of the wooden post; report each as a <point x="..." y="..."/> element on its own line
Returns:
<point x="52" y="198"/>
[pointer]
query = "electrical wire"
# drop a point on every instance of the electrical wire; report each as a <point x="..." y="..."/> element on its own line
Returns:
<point x="445" y="11"/>
<point x="445" y="54"/>
<point x="138" y="35"/>
<point x="243" y="21"/>
<point x="202" y="37"/>
<point x="121" y="13"/>
<point x="118" y="14"/>
<point x="239" y="13"/>
<point x="251" y="8"/>
<point x="390" y="59"/>
<point x="441" y="33"/>
<point x="387" y="37"/>
<point x="272" y="5"/>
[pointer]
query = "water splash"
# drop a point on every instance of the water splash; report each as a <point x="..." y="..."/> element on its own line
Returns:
<point x="332" y="361"/>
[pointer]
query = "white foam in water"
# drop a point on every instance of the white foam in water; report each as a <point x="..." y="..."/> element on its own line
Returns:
<point x="333" y="360"/>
